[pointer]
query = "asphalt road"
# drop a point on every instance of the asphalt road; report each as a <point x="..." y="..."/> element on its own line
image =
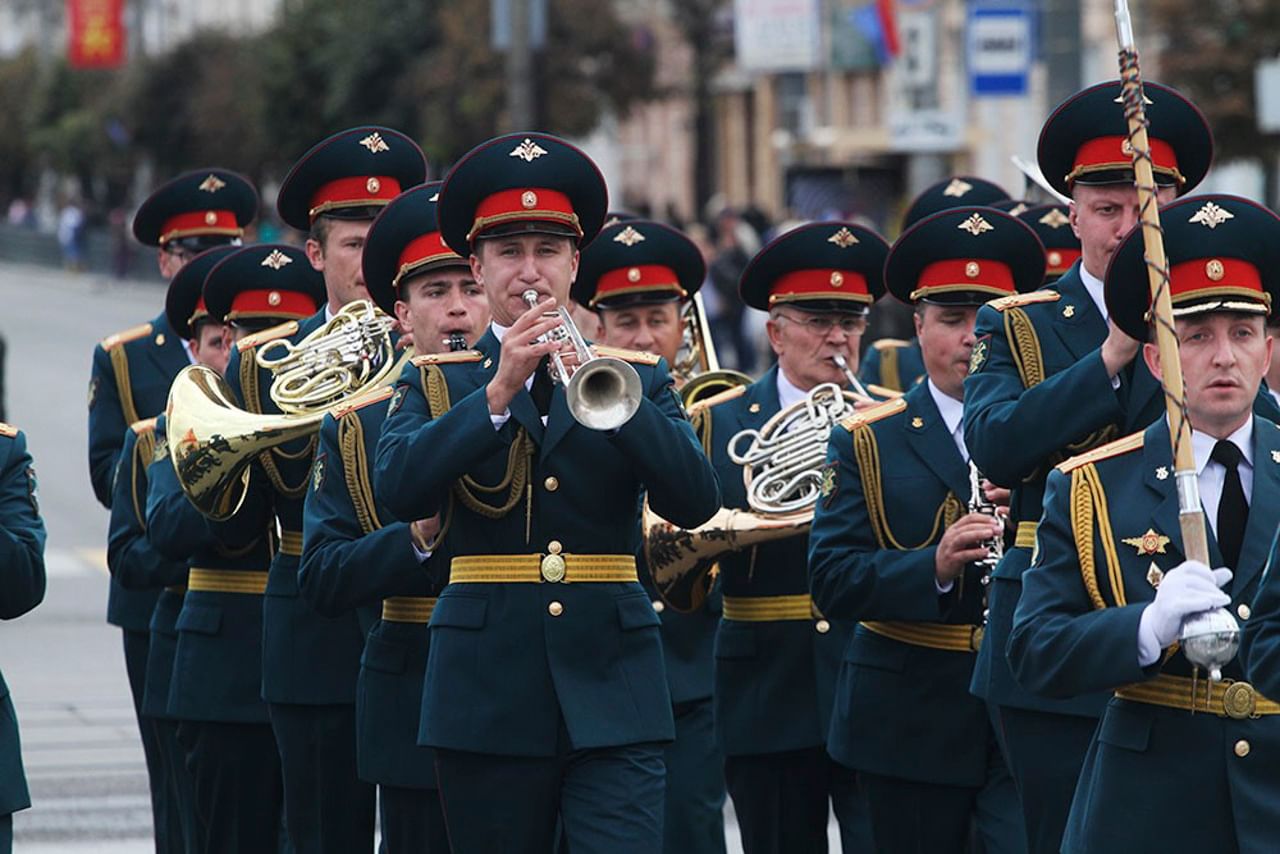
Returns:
<point x="63" y="663"/>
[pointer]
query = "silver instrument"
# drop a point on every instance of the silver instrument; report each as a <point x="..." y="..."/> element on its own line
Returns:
<point x="858" y="388"/>
<point x="455" y="343"/>
<point x="602" y="392"/>
<point x="978" y="503"/>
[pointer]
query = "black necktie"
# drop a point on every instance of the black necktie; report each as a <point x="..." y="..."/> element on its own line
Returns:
<point x="542" y="387"/>
<point x="1233" y="510"/>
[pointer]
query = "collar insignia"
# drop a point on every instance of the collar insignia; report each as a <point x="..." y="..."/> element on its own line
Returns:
<point x="1149" y="543"/>
<point x="1162" y="473"/>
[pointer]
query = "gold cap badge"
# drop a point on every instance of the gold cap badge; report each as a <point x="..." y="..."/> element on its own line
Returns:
<point x="628" y="237"/>
<point x="276" y="260"/>
<point x="375" y="143"/>
<point x="212" y="184"/>
<point x="957" y="188"/>
<point x="976" y="225"/>
<point x="528" y="151"/>
<point x="843" y="238"/>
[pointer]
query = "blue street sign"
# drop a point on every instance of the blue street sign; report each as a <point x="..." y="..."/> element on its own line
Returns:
<point x="1000" y="47"/>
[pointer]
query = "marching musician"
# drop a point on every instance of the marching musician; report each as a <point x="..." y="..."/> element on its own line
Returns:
<point x="639" y="277"/>
<point x="893" y="545"/>
<point x="545" y="675"/>
<point x="135" y="562"/>
<point x="1178" y="763"/>
<point x="22" y="586"/>
<point x="131" y="374"/>
<point x="357" y="555"/>
<point x="310" y="662"/>
<point x="216" y="684"/>
<point x="776" y="655"/>
<point x="895" y="363"/>
<point x="1051" y="376"/>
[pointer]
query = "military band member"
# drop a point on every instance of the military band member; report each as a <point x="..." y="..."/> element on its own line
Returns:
<point x="1052" y="377"/>
<point x="1175" y="764"/>
<point x="776" y="656"/>
<point x="135" y="562"/>
<point x="895" y="363"/>
<point x="1052" y="224"/>
<point x="545" y="673"/>
<point x="216" y="687"/>
<point x="130" y="379"/>
<point x="357" y="555"/>
<point x="637" y="276"/>
<point x="22" y="586"/>
<point x="310" y="662"/>
<point x="893" y="545"/>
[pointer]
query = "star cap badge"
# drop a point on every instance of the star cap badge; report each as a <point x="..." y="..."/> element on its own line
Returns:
<point x="628" y="237"/>
<point x="212" y="184"/>
<point x="843" y="238"/>
<point x="1149" y="543"/>
<point x="1211" y="216"/>
<point x="957" y="188"/>
<point x="528" y="151"/>
<point x="976" y="225"/>
<point x="276" y="260"/>
<point x="375" y="143"/>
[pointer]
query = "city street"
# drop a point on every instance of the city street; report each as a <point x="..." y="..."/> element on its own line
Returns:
<point x="63" y="663"/>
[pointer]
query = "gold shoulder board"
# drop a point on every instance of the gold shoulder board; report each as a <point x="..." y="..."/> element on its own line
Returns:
<point x="1132" y="442"/>
<point x="284" y="330"/>
<point x="717" y="399"/>
<point x="875" y="413"/>
<point x="146" y="425"/>
<point x="637" y="356"/>
<point x="1016" y="300"/>
<point x="8" y="430"/>
<point x="890" y="344"/>
<point x="886" y="393"/>
<point x="377" y="395"/>
<point x="133" y="333"/>
<point x="453" y="358"/>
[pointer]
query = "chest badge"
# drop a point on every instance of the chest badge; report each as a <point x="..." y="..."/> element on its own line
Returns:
<point x="1149" y="543"/>
<point x="1154" y="575"/>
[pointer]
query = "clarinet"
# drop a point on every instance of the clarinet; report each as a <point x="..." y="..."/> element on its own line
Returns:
<point x="978" y="503"/>
<point x="455" y="342"/>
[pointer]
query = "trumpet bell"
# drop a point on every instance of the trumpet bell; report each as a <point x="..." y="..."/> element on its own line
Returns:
<point x="603" y="393"/>
<point x="212" y="441"/>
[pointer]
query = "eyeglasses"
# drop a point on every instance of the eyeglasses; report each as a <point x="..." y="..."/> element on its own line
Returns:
<point x="822" y="324"/>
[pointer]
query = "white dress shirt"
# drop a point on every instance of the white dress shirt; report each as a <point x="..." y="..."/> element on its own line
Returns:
<point x="952" y="412"/>
<point x="1093" y="285"/>
<point x="788" y="392"/>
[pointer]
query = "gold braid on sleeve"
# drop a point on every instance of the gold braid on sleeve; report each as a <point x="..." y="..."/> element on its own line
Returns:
<point x="1025" y="347"/>
<point x="355" y="470"/>
<point x="143" y="451"/>
<point x="867" y="452"/>
<point x="253" y="403"/>
<point x="1089" y="507"/>
<point x="124" y="385"/>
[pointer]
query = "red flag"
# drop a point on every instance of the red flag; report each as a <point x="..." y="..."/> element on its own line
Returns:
<point x="95" y="33"/>
<point x="889" y="26"/>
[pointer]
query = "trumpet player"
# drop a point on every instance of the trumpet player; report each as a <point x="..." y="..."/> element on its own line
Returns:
<point x="310" y="662"/>
<point x="356" y="555"/>
<point x="130" y="379"/>
<point x="213" y="608"/>
<point x="893" y="546"/>
<point x="638" y="276"/>
<point x="1110" y="584"/>
<point x="545" y="675"/>
<point x="776" y="656"/>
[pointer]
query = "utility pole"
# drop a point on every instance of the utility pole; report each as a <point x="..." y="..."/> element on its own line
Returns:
<point x="520" y="83"/>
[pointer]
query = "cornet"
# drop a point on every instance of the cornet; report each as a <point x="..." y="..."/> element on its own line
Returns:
<point x="602" y="392"/>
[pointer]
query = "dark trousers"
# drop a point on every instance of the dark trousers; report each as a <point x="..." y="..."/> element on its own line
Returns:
<point x="780" y="800"/>
<point x="238" y="791"/>
<point x="6" y="833"/>
<point x="327" y="807"/>
<point x="178" y="781"/>
<point x="1045" y="753"/>
<point x="166" y="818"/>
<point x="608" y="800"/>
<point x="412" y="821"/>
<point x="693" y="813"/>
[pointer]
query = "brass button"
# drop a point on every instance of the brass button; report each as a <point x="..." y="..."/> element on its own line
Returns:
<point x="553" y="568"/>
<point x="1242" y="748"/>
<point x="659" y="606"/>
<point x="823" y="627"/>
<point x="160" y="340"/>
<point x="555" y="609"/>
<point x="551" y="484"/>
<point x="1243" y="611"/>
<point x="554" y="547"/>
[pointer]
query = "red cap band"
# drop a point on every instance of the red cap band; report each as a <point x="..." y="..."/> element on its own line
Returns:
<point x="195" y="223"/>
<point x="980" y="275"/>
<point x="200" y="313"/>
<point x="291" y="305"/>
<point x="820" y="284"/>
<point x="532" y="204"/>
<point x="641" y="278"/>
<point x="1216" y="277"/>
<point x="1060" y="260"/>
<point x="1110" y="153"/>
<point x="355" y="191"/>
<point x="423" y="251"/>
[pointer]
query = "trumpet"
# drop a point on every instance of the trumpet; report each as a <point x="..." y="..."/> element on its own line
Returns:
<point x="602" y="392"/>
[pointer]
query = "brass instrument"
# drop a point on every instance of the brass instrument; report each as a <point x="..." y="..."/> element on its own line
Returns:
<point x="602" y="392"/>
<point x="697" y="370"/>
<point x="213" y="440"/>
<point x="782" y="470"/>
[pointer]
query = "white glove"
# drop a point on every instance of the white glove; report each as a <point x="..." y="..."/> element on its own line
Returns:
<point x="1186" y="589"/>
